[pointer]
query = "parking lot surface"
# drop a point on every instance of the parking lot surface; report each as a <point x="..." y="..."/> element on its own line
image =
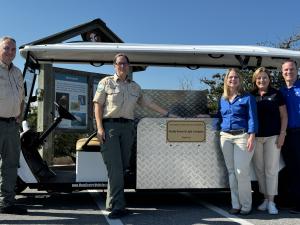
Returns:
<point x="147" y="208"/>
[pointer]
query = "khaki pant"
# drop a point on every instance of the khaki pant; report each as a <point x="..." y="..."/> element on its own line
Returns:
<point x="266" y="164"/>
<point x="237" y="159"/>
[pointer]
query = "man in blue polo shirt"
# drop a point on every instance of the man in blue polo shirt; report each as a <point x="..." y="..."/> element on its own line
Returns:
<point x="291" y="150"/>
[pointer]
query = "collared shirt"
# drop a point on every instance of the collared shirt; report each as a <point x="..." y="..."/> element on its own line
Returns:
<point x="118" y="97"/>
<point x="269" y="122"/>
<point x="11" y="90"/>
<point x="292" y="99"/>
<point x="238" y="114"/>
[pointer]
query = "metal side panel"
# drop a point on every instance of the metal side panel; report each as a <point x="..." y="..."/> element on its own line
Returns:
<point x="178" y="165"/>
<point x="24" y="172"/>
<point x="90" y="167"/>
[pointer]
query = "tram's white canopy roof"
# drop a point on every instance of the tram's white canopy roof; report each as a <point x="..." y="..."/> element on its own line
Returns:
<point x="161" y="54"/>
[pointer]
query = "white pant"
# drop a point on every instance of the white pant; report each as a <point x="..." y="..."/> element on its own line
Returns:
<point x="237" y="160"/>
<point x="266" y="164"/>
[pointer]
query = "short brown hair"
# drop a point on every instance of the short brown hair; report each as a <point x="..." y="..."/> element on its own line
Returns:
<point x="119" y="55"/>
<point x="7" y="38"/>
<point x="291" y="61"/>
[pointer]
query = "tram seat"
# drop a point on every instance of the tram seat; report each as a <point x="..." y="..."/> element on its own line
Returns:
<point x="93" y="145"/>
<point x="90" y="166"/>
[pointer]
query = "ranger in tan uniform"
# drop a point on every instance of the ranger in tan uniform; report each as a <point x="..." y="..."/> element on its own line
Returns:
<point x="114" y="101"/>
<point x="11" y="107"/>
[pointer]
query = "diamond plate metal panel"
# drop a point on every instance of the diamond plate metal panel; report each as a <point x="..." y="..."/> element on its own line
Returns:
<point x="173" y="165"/>
<point x="180" y="102"/>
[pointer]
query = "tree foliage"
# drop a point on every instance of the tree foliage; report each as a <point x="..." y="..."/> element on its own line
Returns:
<point x="216" y="82"/>
<point x="65" y="143"/>
<point x="32" y="117"/>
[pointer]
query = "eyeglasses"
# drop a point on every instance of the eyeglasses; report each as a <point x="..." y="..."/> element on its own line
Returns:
<point x="122" y="63"/>
<point x="233" y="77"/>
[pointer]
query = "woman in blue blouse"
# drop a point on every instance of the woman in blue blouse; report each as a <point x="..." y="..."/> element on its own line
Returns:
<point x="238" y="122"/>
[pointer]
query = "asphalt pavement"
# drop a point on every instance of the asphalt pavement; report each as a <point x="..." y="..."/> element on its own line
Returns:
<point x="147" y="208"/>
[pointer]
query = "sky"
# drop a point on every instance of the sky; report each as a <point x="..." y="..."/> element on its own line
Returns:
<point x="201" y="22"/>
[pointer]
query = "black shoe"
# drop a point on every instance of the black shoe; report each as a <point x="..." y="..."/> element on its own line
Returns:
<point x="234" y="211"/>
<point x="245" y="213"/>
<point x="108" y="209"/>
<point x="118" y="213"/>
<point x="13" y="209"/>
<point x="295" y="210"/>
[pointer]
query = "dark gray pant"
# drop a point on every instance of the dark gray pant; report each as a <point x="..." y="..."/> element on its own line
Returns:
<point x="9" y="161"/>
<point x="291" y="156"/>
<point x="116" y="152"/>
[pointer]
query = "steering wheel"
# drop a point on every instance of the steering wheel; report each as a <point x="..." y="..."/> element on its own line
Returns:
<point x="64" y="113"/>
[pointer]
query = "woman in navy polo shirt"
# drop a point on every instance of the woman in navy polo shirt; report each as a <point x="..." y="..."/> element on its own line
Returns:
<point x="272" y="124"/>
<point x="238" y="122"/>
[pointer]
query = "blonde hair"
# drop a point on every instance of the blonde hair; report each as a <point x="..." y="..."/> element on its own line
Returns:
<point x="226" y="89"/>
<point x="257" y="72"/>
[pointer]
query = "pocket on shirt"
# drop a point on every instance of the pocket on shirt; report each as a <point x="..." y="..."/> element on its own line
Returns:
<point x="114" y="98"/>
<point x="133" y="98"/>
<point x="3" y="90"/>
<point x="134" y="95"/>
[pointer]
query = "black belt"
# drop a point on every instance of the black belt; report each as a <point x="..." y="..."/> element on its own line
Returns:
<point x="235" y="132"/>
<point x="117" y="120"/>
<point x="294" y="129"/>
<point x="9" y="119"/>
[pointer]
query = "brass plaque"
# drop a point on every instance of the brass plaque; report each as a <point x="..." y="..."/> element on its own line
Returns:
<point x="185" y="131"/>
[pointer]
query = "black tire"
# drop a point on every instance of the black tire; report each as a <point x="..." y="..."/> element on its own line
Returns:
<point x="20" y="186"/>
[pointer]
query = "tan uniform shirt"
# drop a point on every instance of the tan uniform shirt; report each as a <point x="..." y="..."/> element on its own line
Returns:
<point x="118" y="97"/>
<point x="11" y="91"/>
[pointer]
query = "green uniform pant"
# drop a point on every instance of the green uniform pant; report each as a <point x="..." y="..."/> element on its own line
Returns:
<point x="9" y="161"/>
<point x="116" y="151"/>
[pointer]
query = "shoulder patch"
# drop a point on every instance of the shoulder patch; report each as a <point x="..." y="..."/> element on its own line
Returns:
<point x="103" y="83"/>
<point x="105" y="79"/>
<point x="100" y="87"/>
